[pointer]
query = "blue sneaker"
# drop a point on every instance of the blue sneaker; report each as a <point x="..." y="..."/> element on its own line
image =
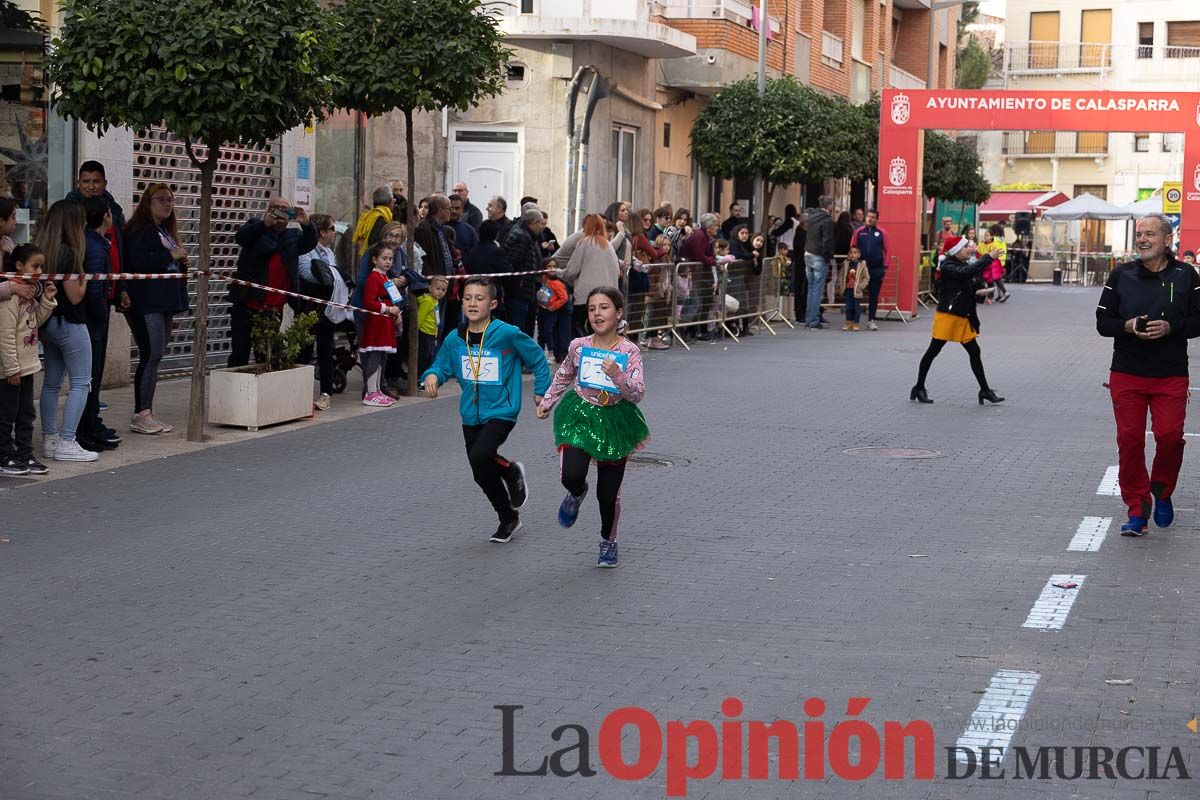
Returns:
<point x="1135" y="527"/>
<point x="568" y="510"/>
<point x="608" y="554"/>
<point x="1164" y="512"/>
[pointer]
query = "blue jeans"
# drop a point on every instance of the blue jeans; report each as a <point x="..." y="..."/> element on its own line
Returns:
<point x="852" y="307"/>
<point x="815" y="268"/>
<point x="68" y="349"/>
<point x="554" y="330"/>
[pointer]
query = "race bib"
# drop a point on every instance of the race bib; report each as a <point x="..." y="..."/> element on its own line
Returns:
<point x="487" y="364"/>
<point x="393" y="292"/>
<point x="591" y="368"/>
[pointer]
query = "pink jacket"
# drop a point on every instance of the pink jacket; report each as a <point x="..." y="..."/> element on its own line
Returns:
<point x="631" y="381"/>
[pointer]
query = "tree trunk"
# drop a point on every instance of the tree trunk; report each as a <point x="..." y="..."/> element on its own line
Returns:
<point x="768" y="195"/>
<point x="196" y="407"/>
<point x="414" y="335"/>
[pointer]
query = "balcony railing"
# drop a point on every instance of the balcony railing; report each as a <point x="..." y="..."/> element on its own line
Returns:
<point x="904" y="80"/>
<point x="831" y="48"/>
<point x="1058" y="58"/>
<point x="637" y="10"/>
<point x="741" y="12"/>
<point x="1044" y="144"/>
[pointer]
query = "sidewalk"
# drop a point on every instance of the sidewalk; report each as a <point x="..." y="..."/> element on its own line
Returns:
<point x="171" y="406"/>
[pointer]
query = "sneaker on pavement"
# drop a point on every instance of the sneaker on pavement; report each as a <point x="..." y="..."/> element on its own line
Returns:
<point x="658" y="344"/>
<point x="568" y="510"/>
<point x="518" y="492"/>
<point x="378" y="400"/>
<point x="11" y="466"/>
<point x="505" y="532"/>
<point x="1135" y="527"/>
<point x="608" y="554"/>
<point x="871" y="326"/>
<point x="103" y="406"/>
<point x="109" y="437"/>
<point x="49" y="445"/>
<point x="322" y="403"/>
<point x="69" y="450"/>
<point x="1164" y="512"/>
<point x="36" y="467"/>
<point x="142" y="423"/>
<point x="165" y="427"/>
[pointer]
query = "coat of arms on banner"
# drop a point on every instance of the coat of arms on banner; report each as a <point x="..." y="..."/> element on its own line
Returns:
<point x="898" y="171"/>
<point x="1198" y="113"/>
<point x="901" y="109"/>
<point x="1196" y="178"/>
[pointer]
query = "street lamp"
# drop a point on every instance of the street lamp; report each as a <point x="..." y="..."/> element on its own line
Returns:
<point x="938" y="5"/>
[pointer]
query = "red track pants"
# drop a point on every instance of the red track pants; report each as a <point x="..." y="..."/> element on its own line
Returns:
<point x="1166" y="399"/>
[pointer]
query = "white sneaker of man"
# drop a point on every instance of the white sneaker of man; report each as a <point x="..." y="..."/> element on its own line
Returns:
<point x="322" y="403"/>
<point x="69" y="450"/>
<point x="871" y="326"/>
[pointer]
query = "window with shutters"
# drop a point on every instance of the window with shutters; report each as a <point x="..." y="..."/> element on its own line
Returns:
<point x="1043" y="39"/>
<point x="1183" y="39"/>
<point x="859" y="31"/>
<point x="1145" y="40"/>
<point x="1141" y="143"/>
<point x="1095" y="47"/>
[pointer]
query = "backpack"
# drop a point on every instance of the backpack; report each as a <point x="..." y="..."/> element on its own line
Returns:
<point x="552" y="295"/>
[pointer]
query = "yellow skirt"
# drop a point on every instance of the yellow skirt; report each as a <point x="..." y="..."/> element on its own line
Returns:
<point x="952" y="328"/>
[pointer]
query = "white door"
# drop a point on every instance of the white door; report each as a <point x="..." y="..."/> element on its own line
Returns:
<point x="488" y="161"/>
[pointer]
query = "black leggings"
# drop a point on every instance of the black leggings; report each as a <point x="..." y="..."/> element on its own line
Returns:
<point x="488" y="467"/>
<point x="609" y="475"/>
<point x="935" y="347"/>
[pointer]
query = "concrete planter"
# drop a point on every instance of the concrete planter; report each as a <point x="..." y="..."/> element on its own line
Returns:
<point x="250" y="399"/>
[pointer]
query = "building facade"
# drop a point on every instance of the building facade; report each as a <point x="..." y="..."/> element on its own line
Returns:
<point x="1120" y="45"/>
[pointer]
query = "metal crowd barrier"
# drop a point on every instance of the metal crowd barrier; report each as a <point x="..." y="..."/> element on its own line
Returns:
<point x="652" y="311"/>
<point x="887" y="295"/>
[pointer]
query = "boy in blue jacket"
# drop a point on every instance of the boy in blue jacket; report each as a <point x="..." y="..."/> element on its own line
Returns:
<point x="485" y="356"/>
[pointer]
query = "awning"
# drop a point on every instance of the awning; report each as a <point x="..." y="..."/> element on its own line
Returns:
<point x="1001" y="205"/>
<point x="1087" y="206"/>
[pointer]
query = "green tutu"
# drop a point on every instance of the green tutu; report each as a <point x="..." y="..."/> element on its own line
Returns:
<point x="606" y="433"/>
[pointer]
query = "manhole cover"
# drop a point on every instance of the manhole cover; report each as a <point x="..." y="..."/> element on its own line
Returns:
<point x="656" y="460"/>
<point x="893" y="452"/>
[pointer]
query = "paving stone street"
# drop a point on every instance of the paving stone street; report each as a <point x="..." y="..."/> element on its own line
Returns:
<point x="318" y="613"/>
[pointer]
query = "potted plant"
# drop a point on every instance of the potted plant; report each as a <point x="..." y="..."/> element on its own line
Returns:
<point x="276" y="389"/>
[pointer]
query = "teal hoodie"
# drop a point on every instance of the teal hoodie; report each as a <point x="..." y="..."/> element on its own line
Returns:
<point x="497" y="394"/>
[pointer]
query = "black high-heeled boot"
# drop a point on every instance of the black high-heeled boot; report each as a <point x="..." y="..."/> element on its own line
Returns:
<point x="989" y="395"/>
<point x="918" y="393"/>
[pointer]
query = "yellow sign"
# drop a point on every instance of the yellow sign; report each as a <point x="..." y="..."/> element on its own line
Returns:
<point x="1172" y="197"/>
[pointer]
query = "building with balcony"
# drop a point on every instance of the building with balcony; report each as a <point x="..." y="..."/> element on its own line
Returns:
<point x="1121" y="45"/>
<point x="849" y="48"/>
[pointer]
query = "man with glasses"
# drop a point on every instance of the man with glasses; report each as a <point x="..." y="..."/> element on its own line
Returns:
<point x="270" y="254"/>
<point x="472" y="215"/>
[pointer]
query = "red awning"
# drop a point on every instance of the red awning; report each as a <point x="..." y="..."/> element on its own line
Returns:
<point x="1001" y="204"/>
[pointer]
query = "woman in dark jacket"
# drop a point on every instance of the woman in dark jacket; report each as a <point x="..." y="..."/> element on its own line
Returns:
<point x="741" y="247"/>
<point x="956" y="319"/>
<point x="152" y="245"/>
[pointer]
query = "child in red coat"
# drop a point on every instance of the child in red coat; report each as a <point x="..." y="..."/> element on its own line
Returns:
<point x="378" y="337"/>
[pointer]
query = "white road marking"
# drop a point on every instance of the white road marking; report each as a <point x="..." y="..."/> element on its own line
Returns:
<point x="1151" y="433"/>
<point x="1108" y="484"/>
<point x="1090" y="534"/>
<point x="1054" y="604"/>
<point x="998" y="715"/>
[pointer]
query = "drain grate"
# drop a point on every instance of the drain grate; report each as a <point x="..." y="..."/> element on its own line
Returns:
<point x="893" y="452"/>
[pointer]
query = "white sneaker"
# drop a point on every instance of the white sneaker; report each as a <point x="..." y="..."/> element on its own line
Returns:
<point x="871" y="326"/>
<point x="322" y="403"/>
<point x="49" y="445"/>
<point x="71" y="451"/>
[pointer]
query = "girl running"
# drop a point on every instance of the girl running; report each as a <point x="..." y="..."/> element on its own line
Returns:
<point x="599" y="419"/>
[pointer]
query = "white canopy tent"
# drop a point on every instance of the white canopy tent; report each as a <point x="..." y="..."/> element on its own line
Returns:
<point x="1151" y="205"/>
<point x="1088" y="207"/>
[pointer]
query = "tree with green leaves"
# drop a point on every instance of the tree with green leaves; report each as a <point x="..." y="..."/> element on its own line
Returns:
<point x="211" y="72"/>
<point x="790" y="134"/>
<point x="953" y="170"/>
<point x="398" y="55"/>
<point x="973" y="67"/>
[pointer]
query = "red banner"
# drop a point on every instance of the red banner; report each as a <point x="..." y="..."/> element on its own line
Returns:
<point x="905" y="114"/>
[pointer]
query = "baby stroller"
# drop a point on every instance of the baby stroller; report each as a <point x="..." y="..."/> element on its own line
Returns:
<point x="345" y="355"/>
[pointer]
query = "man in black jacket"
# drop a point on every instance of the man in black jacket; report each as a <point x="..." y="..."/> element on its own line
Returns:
<point x="818" y="255"/>
<point x="270" y="256"/>
<point x="523" y="248"/>
<point x="1150" y="308"/>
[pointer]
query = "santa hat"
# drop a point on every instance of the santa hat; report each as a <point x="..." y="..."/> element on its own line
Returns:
<point x="954" y="244"/>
